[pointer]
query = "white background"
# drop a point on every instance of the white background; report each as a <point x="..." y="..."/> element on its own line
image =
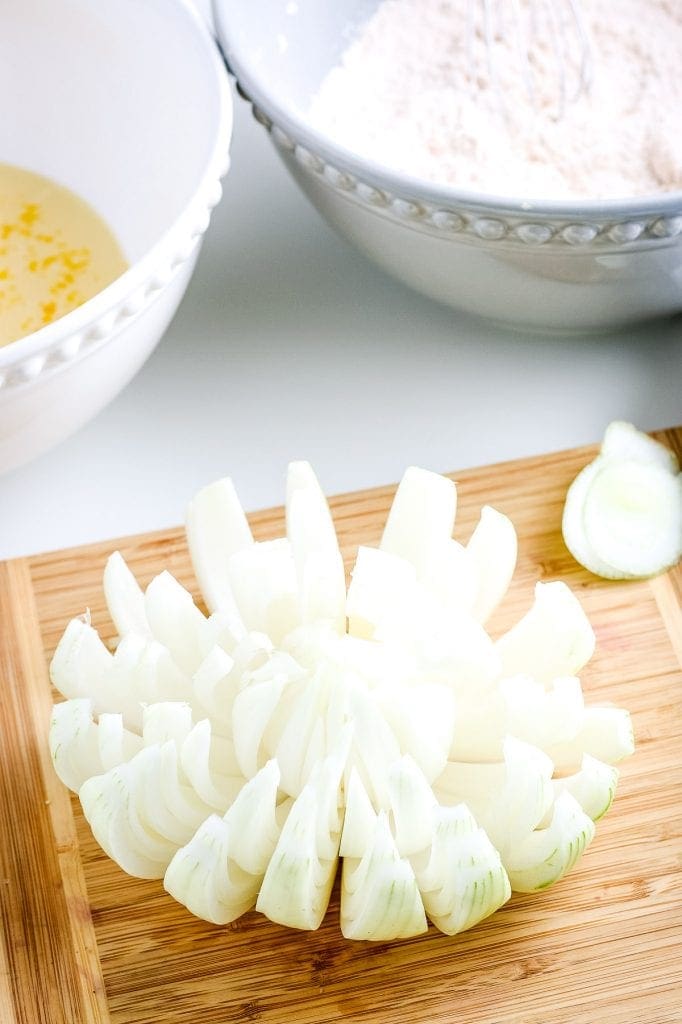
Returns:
<point x="289" y="344"/>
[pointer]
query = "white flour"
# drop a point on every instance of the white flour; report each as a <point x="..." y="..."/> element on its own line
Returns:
<point x="404" y="95"/>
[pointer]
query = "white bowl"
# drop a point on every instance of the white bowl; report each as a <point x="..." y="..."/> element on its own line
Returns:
<point x="128" y="104"/>
<point x="574" y="265"/>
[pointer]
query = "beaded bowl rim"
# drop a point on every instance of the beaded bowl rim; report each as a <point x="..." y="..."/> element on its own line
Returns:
<point x="96" y="320"/>
<point x="473" y="224"/>
<point x="293" y="122"/>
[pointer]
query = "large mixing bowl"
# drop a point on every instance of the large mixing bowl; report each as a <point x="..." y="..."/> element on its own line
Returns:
<point x="574" y="265"/>
<point x="127" y="104"/>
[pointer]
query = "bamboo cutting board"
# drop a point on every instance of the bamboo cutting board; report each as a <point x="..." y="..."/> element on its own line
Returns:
<point x="81" y="942"/>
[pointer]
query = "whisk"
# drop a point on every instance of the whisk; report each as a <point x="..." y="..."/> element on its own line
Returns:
<point x="553" y="32"/>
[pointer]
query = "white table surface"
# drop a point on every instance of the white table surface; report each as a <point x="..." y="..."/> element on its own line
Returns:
<point x="289" y="344"/>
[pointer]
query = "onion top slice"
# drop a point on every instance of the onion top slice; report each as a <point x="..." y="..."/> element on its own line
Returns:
<point x="623" y="513"/>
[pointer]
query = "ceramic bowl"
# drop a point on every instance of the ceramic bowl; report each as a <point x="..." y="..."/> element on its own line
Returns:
<point x="129" y="105"/>
<point x="574" y="265"/>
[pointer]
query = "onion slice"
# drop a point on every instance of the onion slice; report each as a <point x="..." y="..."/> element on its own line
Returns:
<point x="622" y="517"/>
<point x="380" y="898"/>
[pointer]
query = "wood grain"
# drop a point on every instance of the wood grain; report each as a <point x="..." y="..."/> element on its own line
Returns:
<point x="50" y="964"/>
<point x="81" y="942"/>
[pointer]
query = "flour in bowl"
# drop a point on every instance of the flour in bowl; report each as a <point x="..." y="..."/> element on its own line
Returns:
<point x="408" y="95"/>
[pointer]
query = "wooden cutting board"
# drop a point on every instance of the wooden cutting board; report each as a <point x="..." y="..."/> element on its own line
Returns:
<point x="81" y="942"/>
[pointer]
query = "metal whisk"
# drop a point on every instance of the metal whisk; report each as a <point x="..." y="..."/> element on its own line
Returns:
<point x="554" y="30"/>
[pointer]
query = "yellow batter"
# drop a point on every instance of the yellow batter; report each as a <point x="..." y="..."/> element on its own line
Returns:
<point x="55" y="252"/>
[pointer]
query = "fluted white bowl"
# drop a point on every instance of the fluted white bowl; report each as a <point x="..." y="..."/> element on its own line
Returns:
<point x="128" y="104"/>
<point x="570" y="266"/>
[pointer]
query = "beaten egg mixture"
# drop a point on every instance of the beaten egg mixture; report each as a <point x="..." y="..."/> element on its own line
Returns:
<point x="56" y="252"/>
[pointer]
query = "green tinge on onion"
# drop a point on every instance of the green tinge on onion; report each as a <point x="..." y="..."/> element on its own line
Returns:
<point x="242" y="755"/>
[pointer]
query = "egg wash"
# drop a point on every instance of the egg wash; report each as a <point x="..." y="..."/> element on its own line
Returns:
<point x="56" y="252"/>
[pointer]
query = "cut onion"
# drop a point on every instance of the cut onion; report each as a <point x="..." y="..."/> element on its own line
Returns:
<point x="461" y="877"/>
<point x="553" y="639"/>
<point x="593" y="786"/>
<point x="218" y="873"/>
<point x="380" y="897"/>
<point x="493" y="548"/>
<point x="299" y="878"/>
<point x="632" y="517"/>
<point x="124" y="597"/>
<point x="320" y="573"/>
<point x="623" y="441"/>
<point x="623" y="512"/>
<point x="240" y="755"/>
<point x="216" y="529"/>
<point x="547" y="854"/>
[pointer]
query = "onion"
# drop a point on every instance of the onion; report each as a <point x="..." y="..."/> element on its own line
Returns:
<point x="623" y="512"/>
<point x="240" y="755"/>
